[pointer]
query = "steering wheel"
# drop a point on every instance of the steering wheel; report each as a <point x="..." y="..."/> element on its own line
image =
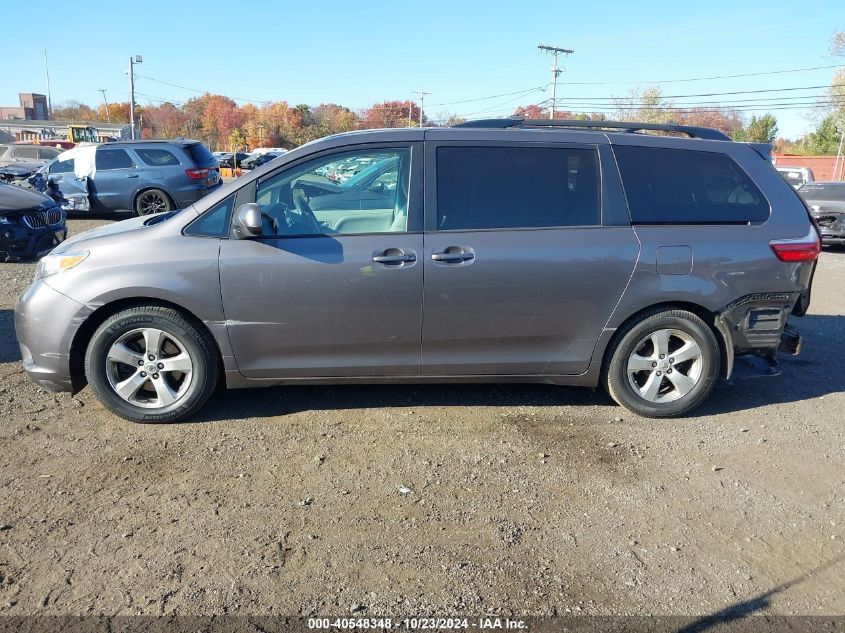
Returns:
<point x="302" y="206"/>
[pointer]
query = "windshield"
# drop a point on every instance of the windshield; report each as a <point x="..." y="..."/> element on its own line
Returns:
<point x="362" y="177"/>
<point x="833" y="192"/>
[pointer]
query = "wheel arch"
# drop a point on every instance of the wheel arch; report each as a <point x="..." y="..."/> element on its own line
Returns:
<point x="705" y="314"/>
<point x="86" y="330"/>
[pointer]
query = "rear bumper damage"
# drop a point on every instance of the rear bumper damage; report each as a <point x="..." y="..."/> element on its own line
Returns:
<point x="757" y="324"/>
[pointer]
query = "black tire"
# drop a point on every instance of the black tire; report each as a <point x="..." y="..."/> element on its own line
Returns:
<point x="632" y="338"/>
<point x="152" y="201"/>
<point x="191" y="339"/>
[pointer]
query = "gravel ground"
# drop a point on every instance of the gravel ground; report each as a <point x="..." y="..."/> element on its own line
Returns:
<point x="435" y="499"/>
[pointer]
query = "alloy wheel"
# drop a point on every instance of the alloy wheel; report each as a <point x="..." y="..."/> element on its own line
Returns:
<point x="149" y="368"/>
<point x="152" y="202"/>
<point x="665" y="365"/>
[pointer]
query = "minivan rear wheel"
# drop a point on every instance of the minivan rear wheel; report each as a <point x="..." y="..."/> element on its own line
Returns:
<point x="151" y="364"/>
<point x="152" y="201"/>
<point x="663" y="364"/>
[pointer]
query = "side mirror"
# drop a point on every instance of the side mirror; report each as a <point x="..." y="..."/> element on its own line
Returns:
<point x="249" y="220"/>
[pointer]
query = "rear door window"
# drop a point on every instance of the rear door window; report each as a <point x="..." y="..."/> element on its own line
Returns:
<point x="672" y="186"/>
<point x="113" y="159"/>
<point x="516" y="187"/>
<point x="156" y="157"/>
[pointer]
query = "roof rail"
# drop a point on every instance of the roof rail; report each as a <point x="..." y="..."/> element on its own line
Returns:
<point x="690" y="130"/>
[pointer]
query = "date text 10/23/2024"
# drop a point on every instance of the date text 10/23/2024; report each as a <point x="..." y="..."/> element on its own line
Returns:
<point x="417" y="623"/>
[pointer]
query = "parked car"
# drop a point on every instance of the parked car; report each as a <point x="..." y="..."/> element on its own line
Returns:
<point x="796" y="176"/>
<point x="142" y="176"/>
<point x="27" y="153"/>
<point x="826" y="201"/>
<point x="647" y="269"/>
<point x="31" y="224"/>
<point x="228" y="159"/>
<point x="275" y="150"/>
<point x="256" y="160"/>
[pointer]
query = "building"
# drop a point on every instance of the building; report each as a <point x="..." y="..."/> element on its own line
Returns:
<point x="18" y="130"/>
<point x="822" y="166"/>
<point x="32" y="106"/>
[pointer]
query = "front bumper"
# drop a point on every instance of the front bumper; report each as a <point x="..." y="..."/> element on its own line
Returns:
<point x="45" y="323"/>
<point x="19" y="242"/>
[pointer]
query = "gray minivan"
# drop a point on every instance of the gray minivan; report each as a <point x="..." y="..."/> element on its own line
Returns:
<point x="146" y="177"/>
<point x="563" y="252"/>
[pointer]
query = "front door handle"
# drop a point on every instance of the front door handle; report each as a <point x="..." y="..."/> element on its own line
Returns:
<point x="132" y="176"/>
<point x="453" y="254"/>
<point x="395" y="256"/>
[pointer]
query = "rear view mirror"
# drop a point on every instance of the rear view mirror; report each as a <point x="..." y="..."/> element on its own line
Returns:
<point x="249" y="220"/>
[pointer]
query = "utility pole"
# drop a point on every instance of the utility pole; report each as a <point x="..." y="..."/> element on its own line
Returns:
<point x="555" y="51"/>
<point x="261" y="135"/>
<point x="49" y="100"/>
<point x="131" y="72"/>
<point x="106" y="101"/>
<point x="838" y="156"/>
<point x="422" y="100"/>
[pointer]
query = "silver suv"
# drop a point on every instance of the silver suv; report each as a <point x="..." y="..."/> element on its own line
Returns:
<point x="563" y="252"/>
<point x="27" y="153"/>
<point x="142" y="176"/>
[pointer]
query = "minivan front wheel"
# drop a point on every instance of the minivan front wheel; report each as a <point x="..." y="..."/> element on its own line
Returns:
<point x="663" y="364"/>
<point x="151" y="364"/>
<point x="152" y="201"/>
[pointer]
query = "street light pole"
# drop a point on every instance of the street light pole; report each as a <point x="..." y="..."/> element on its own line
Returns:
<point x="555" y="51"/>
<point x="132" y="61"/>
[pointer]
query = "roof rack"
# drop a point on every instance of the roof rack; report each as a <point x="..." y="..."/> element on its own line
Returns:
<point x="625" y="126"/>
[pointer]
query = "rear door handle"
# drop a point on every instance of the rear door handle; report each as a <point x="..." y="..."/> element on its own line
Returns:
<point x="132" y="176"/>
<point x="453" y="254"/>
<point x="395" y="256"/>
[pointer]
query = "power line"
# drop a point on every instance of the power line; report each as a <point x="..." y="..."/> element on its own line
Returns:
<point x="671" y="81"/>
<point x="721" y="94"/>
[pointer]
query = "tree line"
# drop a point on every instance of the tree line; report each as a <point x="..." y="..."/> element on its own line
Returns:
<point x="223" y="124"/>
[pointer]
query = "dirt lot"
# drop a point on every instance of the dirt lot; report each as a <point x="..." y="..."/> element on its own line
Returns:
<point x="525" y="499"/>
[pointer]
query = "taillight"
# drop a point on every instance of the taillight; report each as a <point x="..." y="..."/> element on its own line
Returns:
<point x="196" y="174"/>
<point x="804" y="249"/>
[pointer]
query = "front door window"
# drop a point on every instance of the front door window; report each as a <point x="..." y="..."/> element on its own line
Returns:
<point x="354" y="192"/>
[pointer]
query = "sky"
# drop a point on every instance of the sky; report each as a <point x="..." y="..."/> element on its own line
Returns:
<point x="462" y="53"/>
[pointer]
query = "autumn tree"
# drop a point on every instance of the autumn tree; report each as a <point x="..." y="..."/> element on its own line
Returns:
<point x="392" y="114"/>
<point x="759" y="130"/>
<point x="334" y="118"/>
<point x="219" y="119"/>
<point x="193" y="110"/>
<point x="117" y="113"/>
<point x="74" y="111"/>
<point x="726" y="120"/>
<point x="533" y="111"/>
<point x="164" y="121"/>
<point x="645" y="106"/>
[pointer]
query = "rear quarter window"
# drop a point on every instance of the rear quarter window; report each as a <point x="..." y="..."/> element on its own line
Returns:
<point x="672" y="186"/>
<point x="200" y="155"/>
<point x="156" y="157"/>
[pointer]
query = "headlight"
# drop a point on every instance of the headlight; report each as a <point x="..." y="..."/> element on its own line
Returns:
<point x="5" y="220"/>
<point x="52" y="264"/>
